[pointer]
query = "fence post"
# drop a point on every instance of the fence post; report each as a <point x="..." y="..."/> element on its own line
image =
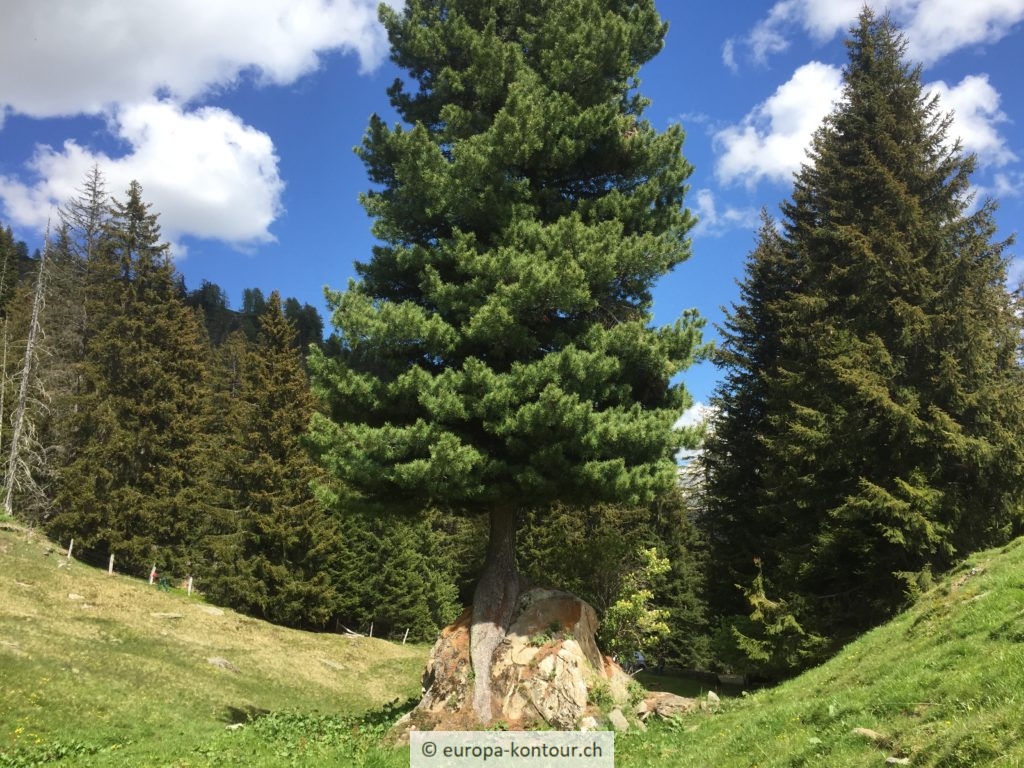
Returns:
<point x="71" y="546"/>
<point x="405" y="636"/>
<point x="110" y="566"/>
<point x="190" y="586"/>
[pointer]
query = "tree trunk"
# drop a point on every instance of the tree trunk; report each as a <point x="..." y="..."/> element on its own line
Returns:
<point x="493" y="603"/>
<point x="18" y="427"/>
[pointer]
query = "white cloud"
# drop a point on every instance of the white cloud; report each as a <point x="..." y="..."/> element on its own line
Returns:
<point x="695" y="415"/>
<point x="61" y="58"/>
<point x="712" y="222"/>
<point x="206" y="172"/>
<point x="1008" y="184"/>
<point x="975" y="106"/>
<point x="934" y="28"/>
<point x="1015" y="273"/>
<point x="772" y="140"/>
<point x="139" y="64"/>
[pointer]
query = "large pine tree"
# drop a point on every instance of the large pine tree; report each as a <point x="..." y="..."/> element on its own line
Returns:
<point x="872" y="415"/>
<point x="497" y="353"/>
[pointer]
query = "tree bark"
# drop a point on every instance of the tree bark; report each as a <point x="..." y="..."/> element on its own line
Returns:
<point x="18" y="427"/>
<point x="493" y="604"/>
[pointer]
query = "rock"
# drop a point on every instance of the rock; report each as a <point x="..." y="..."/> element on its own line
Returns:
<point x="234" y="726"/>
<point x="618" y="720"/>
<point x="714" y="703"/>
<point x="217" y="661"/>
<point x="897" y="761"/>
<point x="588" y="723"/>
<point x="73" y="596"/>
<point x="874" y="736"/>
<point x="445" y="681"/>
<point x="541" y="673"/>
<point x="167" y="615"/>
<point x="666" y="705"/>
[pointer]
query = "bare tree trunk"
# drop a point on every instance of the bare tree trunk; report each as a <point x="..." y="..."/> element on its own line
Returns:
<point x="3" y="385"/>
<point x="18" y="426"/>
<point x="493" y="604"/>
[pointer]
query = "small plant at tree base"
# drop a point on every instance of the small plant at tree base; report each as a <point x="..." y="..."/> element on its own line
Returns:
<point x="636" y="693"/>
<point x="600" y="695"/>
<point x="539" y="639"/>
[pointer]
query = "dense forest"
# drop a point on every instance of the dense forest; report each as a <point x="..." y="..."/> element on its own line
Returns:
<point x="867" y="433"/>
<point x="166" y="429"/>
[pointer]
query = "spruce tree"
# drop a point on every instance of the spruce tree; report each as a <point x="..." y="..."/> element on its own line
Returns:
<point x="133" y="484"/>
<point x="496" y="353"/>
<point x="273" y="546"/>
<point x="872" y="415"/>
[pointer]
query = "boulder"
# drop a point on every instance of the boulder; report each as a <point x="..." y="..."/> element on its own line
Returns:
<point x="618" y="720"/>
<point x="543" y="673"/>
<point x="666" y="705"/>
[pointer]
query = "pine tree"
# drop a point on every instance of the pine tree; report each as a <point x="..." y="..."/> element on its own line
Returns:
<point x="275" y="548"/>
<point x="872" y="415"/>
<point x="496" y="354"/>
<point x="133" y="485"/>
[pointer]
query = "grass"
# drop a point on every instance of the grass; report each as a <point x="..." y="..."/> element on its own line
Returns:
<point x="941" y="685"/>
<point x="96" y="671"/>
<point x="99" y="670"/>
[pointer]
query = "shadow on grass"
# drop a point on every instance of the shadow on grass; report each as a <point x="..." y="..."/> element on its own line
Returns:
<point x="246" y="714"/>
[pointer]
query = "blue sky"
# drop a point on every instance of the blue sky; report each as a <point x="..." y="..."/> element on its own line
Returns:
<point x="239" y="117"/>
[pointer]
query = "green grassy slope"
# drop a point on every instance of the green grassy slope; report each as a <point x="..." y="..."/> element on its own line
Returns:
<point x="107" y="671"/>
<point x="940" y="685"/>
<point x="99" y="670"/>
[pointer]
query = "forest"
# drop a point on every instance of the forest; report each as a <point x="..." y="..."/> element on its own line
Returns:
<point x="491" y="405"/>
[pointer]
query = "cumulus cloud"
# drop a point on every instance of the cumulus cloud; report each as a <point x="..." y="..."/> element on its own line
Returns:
<point x="1015" y="274"/>
<point x="206" y="172"/>
<point x="59" y="58"/>
<point x="934" y="28"/>
<point x="694" y="418"/>
<point x="147" y="67"/>
<point x="712" y="222"/>
<point x="772" y="140"/>
<point x="975" y="106"/>
<point x="696" y="415"/>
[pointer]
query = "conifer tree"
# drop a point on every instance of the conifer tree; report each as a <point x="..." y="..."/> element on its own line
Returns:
<point x="133" y="485"/>
<point x="872" y="415"/>
<point x="274" y="555"/>
<point x="496" y="354"/>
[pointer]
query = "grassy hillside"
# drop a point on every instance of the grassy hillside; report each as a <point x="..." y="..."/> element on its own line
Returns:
<point x="107" y="671"/>
<point x="941" y="685"/>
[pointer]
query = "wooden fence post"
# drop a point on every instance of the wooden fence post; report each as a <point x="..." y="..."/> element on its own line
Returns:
<point x="405" y="636"/>
<point x="71" y="546"/>
<point x="110" y="566"/>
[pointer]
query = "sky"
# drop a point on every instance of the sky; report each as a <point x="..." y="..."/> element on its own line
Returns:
<point x="239" y="119"/>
